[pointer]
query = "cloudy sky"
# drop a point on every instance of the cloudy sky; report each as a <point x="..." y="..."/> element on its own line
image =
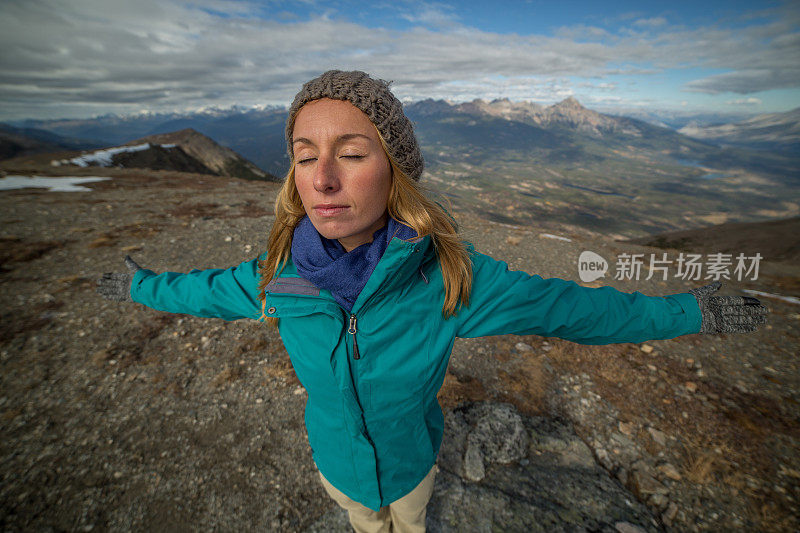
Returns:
<point x="79" y="58"/>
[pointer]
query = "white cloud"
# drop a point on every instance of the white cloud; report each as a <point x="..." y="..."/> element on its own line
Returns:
<point x="603" y="87"/>
<point x="431" y="15"/>
<point x="747" y="102"/>
<point x="168" y="54"/>
<point x="651" y="22"/>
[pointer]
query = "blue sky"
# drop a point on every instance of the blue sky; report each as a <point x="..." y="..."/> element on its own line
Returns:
<point x="77" y="58"/>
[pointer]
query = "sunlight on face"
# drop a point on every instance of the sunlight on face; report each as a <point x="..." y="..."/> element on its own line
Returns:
<point x="341" y="171"/>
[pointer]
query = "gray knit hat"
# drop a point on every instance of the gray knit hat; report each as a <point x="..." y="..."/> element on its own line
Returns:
<point x="374" y="98"/>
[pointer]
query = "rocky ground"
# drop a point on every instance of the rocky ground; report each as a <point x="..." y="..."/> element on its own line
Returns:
<point x="117" y="417"/>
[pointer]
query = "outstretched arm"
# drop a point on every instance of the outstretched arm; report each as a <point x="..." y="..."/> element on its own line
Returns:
<point x="229" y="294"/>
<point x="504" y="301"/>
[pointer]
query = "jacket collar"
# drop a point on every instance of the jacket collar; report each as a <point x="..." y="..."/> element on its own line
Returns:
<point x="401" y="261"/>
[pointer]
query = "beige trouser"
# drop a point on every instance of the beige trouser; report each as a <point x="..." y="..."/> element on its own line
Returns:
<point x="406" y="515"/>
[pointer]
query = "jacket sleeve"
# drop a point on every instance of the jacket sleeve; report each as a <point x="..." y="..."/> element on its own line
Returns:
<point x="229" y="294"/>
<point x="504" y="301"/>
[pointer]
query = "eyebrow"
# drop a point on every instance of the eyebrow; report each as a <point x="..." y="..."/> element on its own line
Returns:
<point x="340" y="138"/>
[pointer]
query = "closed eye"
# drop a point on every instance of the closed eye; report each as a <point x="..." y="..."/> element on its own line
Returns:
<point x="307" y="160"/>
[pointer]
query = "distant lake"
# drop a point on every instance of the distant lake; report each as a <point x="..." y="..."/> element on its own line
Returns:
<point x="688" y="163"/>
<point x="59" y="184"/>
<point x="696" y="164"/>
<point x="610" y="193"/>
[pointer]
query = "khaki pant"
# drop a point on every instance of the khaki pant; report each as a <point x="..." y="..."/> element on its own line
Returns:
<point x="406" y="515"/>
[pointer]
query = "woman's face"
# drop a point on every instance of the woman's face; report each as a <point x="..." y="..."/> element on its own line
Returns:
<point x="341" y="171"/>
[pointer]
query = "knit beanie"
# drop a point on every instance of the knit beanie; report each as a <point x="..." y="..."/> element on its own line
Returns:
<point x="374" y="98"/>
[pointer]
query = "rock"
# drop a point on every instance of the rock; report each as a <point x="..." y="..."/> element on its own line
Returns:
<point x="670" y="471"/>
<point x="555" y="486"/>
<point x="643" y="484"/>
<point x="658" y="436"/>
<point x="669" y="514"/>
<point x="646" y="348"/>
<point x="691" y="386"/>
<point x="497" y="436"/>
<point x="625" y="527"/>
<point x="627" y="428"/>
<point x="659" y="501"/>
<point x="604" y="459"/>
<point x="622" y="440"/>
<point x="474" y="469"/>
<point x="522" y="347"/>
<point x="561" y="443"/>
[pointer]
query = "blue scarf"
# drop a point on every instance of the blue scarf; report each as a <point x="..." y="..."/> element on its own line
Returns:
<point x="326" y="264"/>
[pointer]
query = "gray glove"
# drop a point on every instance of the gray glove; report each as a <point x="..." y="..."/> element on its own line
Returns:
<point x="728" y="314"/>
<point x="117" y="286"/>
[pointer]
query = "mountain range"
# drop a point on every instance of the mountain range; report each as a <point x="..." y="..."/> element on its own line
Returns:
<point x="257" y="134"/>
<point x="773" y="131"/>
<point x="514" y="162"/>
<point x="17" y="142"/>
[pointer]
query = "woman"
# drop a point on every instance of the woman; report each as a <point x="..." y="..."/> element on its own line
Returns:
<point x="369" y="285"/>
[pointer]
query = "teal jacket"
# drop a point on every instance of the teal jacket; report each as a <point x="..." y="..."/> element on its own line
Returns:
<point x="373" y="420"/>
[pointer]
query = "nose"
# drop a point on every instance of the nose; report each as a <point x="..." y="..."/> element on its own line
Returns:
<point x="326" y="177"/>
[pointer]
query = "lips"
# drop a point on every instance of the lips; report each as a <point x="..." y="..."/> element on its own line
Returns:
<point x="329" y="210"/>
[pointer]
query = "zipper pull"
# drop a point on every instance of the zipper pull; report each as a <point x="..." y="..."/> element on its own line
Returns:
<point x="352" y="331"/>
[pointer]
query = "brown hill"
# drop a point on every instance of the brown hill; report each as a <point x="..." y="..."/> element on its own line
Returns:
<point x="21" y="142"/>
<point x="779" y="131"/>
<point x="775" y="240"/>
<point x="220" y="159"/>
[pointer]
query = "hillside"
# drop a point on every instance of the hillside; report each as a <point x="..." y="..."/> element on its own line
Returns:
<point x="255" y="134"/>
<point x="181" y="151"/>
<point x="220" y="159"/>
<point x="117" y="417"/>
<point x="773" y="131"/>
<point x="20" y="142"/>
<point x="519" y="163"/>
<point x="775" y="240"/>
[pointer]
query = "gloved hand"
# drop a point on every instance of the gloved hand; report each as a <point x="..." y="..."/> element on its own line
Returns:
<point x="117" y="286"/>
<point x="728" y="314"/>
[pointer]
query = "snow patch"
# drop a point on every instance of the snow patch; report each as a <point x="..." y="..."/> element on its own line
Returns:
<point x="551" y="236"/>
<point x="56" y="184"/>
<point x="103" y="157"/>
<point x="790" y="299"/>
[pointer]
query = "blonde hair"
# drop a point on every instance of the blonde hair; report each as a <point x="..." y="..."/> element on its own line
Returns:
<point x="407" y="204"/>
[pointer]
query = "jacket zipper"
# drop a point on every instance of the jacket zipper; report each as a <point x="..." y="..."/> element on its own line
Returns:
<point x="352" y="328"/>
<point x="352" y="331"/>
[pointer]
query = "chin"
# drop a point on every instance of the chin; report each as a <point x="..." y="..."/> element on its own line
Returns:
<point x="329" y="230"/>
